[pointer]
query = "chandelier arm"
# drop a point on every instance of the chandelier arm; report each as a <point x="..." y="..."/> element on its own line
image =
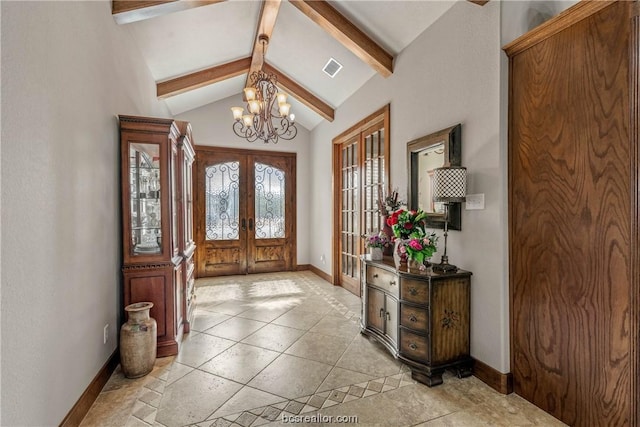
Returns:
<point x="289" y="130"/>
<point x="244" y="132"/>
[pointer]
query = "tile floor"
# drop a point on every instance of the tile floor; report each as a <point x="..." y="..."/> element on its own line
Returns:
<point x="276" y="348"/>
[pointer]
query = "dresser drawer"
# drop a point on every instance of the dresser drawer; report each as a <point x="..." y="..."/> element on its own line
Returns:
<point x="414" y="291"/>
<point x="414" y="318"/>
<point x="414" y="346"/>
<point x="383" y="279"/>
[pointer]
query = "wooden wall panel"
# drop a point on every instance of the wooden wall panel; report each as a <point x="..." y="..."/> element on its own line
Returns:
<point x="571" y="255"/>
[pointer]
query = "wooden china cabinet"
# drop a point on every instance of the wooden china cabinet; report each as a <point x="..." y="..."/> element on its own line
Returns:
<point x="157" y="222"/>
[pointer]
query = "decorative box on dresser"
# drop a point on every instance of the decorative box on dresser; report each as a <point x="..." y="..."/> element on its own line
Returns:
<point x="422" y="318"/>
<point x="154" y="159"/>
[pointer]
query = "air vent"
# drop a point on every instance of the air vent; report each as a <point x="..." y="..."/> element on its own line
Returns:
<point x="332" y="67"/>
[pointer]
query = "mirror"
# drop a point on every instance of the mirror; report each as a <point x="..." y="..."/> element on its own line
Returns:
<point x="425" y="154"/>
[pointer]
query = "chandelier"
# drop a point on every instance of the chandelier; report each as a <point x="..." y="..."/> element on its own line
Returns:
<point x="268" y="115"/>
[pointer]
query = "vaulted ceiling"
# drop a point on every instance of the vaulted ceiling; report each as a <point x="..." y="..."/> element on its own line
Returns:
<point x="201" y="51"/>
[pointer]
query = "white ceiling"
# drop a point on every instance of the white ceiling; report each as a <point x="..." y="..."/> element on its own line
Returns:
<point x="191" y="40"/>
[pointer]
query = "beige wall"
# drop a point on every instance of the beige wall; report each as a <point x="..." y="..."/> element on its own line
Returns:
<point x="450" y="74"/>
<point x="67" y="71"/>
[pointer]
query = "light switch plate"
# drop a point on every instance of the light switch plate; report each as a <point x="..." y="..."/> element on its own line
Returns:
<point x="474" y="202"/>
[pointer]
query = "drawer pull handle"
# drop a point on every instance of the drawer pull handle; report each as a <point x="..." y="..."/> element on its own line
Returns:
<point x="392" y="283"/>
<point x="375" y="276"/>
<point x="381" y="312"/>
<point x="413" y="346"/>
<point x="388" y="316"/>
<point x="413" y="291"/>
<point x="413" y="318"/>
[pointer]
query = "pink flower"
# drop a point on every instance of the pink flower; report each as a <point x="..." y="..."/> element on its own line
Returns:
<point x="402" y="250"/>
<point x="415" y="244"/>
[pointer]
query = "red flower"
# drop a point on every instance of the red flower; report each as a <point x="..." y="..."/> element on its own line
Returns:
<point x="408" y="225"/>
<point x="415" y="245"/>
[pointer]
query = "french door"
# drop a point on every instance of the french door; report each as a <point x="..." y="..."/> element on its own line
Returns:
<point x="361" y="172"/>
<point x="245" y="211"/>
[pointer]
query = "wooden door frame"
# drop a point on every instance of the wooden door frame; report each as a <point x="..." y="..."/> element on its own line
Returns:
<point x="291" y="198"/>
<point x="382" y="115"/>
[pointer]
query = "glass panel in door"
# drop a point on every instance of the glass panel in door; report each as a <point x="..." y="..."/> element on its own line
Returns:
<point x="270" y="206"/>
<point x="350" y="211"/>
<point x="222" y="203"/>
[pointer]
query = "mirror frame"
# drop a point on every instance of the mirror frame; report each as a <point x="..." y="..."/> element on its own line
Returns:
<point x="452" y="157"/>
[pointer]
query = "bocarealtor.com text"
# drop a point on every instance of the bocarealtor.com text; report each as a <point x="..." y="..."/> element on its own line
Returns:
<point x="319" y="418"/>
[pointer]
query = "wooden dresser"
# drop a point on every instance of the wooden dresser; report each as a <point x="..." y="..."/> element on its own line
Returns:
<point x="421" y="318"/>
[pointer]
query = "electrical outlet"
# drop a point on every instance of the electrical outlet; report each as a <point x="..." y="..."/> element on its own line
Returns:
<point x="105" y="335"/>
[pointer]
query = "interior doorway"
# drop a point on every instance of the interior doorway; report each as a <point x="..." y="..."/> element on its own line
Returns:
<point x="361" y="177"/>
<point x="245" y="211"/>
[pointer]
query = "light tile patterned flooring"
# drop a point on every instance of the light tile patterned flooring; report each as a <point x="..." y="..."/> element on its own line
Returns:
<point x="266" y="348"/>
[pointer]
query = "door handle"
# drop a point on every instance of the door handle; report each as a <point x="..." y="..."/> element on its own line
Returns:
<point x="381" y="312"/>
<point x="244" y="224"/>
<point x="250" y="224"/>
<point x="388" y="316"/>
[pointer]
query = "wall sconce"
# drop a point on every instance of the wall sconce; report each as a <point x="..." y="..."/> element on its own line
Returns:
<point x="449" y="186"/>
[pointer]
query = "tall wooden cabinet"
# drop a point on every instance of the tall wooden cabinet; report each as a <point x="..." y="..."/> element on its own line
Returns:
<point x="574" y="215"/>
<point x="156" y="158"/>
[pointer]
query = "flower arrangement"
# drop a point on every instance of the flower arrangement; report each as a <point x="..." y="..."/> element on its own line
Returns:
<point x="421" y="248"/>
<point x="376" y="240"/>
<point x="389" y="204"/>
<point x="409" y="227"/>
<point x="407" y="224"/>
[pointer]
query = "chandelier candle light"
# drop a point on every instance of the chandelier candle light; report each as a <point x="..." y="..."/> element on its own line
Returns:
<point x="264" y="121"/>
<point x="449" y="186"/>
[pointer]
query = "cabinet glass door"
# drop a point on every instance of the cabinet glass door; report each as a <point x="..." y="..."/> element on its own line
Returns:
<point x="144" y="184"/>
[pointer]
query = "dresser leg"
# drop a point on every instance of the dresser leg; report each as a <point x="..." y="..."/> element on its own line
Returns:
<point x="430" y="379"/>
<point x="464" y="370"/>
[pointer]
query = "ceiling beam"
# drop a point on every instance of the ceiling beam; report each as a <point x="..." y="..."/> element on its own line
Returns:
<point x="300" y="93"/>
<point x="127" y="11"/>
<point x="218" y="73"/>
<point x="268" y="15"/>
<point x="202" y="78"/>
<point x="338" y="26"/>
